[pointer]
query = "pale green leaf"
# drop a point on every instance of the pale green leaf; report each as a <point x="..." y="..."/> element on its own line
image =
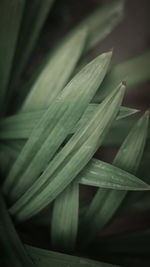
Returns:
<point x="70" y="160"/>
<point x="21" y="125"/>
<point x="134" y="71"/>
<point x="54" y="126"/>
<point x="102" y="174"/>
<point x="54" y="75"/>
<point x="64" y="223"/>
<point x="102" y="21"/>
<point x="106" y="202"/>
<point x="35" y="14"/>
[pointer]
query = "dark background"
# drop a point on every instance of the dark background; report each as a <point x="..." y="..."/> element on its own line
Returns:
<point x="129" y="38"/>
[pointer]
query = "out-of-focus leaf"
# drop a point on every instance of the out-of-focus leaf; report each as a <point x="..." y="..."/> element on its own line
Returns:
<point x="21" y="125"/>
<point x="13" y="252"/>
<point x="119" y="131"/>
<point x="101" y="22"/>
<point x="43" y="257"/>
<point x="70" y="160"/>
<point x="35" y="14"/>
<point x="49" y="133"/>
<point x="10" y="18"/>
<point x="106" y="202"/>
<point x="7" y="157"/>
<point x="64" y="224"/>
<point x="54" y="75"/>
<point x="134" y="71"/>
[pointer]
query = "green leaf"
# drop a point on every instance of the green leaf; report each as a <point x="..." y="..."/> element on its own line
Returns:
<point x="70" y="160"/>
<point x="134" y="71"/>
<point x="64" y="224"/>
<point x="10" y="18"/>
<point x="13" y="252"/>
<point x="7" y="157"/>
<point x="139" y="201"/>
<point x="102" y="21"/>
<point x="35" y="14"/>
<point x="99" y="24"/>
<point x="102" y="174"/>
<point x="119" y="131"/>
<point x="128" y="158"/>
<point x="54" y="126"/>
<point x="54" y="75"/>
<point x="21" y="125"/>
<point x="48" y="258"/>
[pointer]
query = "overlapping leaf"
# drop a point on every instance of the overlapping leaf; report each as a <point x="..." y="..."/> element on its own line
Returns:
<point x="20" y="126"/>
<point x="54" y="126"/>
<point x="13" y="252"/>
<point x="48" y="258"/>
<point x="102" y="174"/>
<point x="134" y="70"/>
<point x="70" y="160"/>
<point x="64" y="224"/>
<point x="99" y="25"/>
<point x="34" y="16"/>
<point x="102" y="21"/>
<point x="128" y="158"/>
<point x="54" y="75"/>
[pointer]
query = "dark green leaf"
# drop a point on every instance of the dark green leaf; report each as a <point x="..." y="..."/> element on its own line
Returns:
<point x="10" y="18"/>
<point x="13" y="252"/>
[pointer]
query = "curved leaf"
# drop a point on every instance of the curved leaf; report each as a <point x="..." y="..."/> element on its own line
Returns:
<point x="70" y="160"/>
<point x="49" y="133"/>
<point x="128" y="158"/>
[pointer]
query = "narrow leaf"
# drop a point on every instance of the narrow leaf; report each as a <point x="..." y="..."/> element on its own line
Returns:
<point x="10" y="18"/>
<point x="134" y="70"/>
<point x="128" y="158"/>
<point x="21" y="125"/>
<point x="54" y="75"/>
<point x="13" y="251"/>
<point x="70" y="160"/>
<point x="64" y="224"/>
<point x="49" y="133"/>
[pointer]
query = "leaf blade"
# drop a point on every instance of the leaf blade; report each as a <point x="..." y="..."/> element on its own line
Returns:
<point x="64" y="224"/>
<point x="10" y="18"/>
<point x="67" y="109"/>
<point x="77" y="147"/>
<point x="112" y="199"/>
<point x="54" y="76"/>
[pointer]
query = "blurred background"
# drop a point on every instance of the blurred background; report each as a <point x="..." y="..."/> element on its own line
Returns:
<point x="129" y="38"/>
